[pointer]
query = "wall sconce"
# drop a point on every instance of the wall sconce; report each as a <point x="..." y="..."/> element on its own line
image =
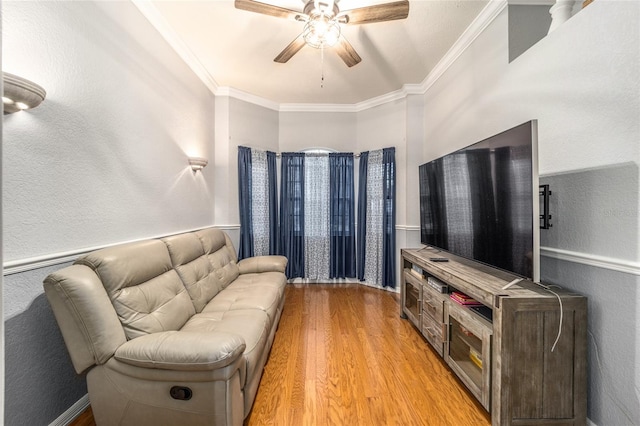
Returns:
<point x="20" y="93"/>
<point x="198" y="163"/>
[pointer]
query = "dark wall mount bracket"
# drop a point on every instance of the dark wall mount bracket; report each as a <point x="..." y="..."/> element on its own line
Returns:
<point x="545" y="217"/>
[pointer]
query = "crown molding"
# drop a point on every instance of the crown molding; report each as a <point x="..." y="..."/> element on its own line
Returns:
<point x="381" y="100"/>
<point x="318" y="108"/>
<point x="479" y="24"/>
<point x="150" y="12"/>
<point x="247" y="97"/>
<point x="407" y="89"/>
<point x="413" y="89"/>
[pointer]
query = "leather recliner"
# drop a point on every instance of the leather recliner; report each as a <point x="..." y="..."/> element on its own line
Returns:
<point x="170" y="331"/>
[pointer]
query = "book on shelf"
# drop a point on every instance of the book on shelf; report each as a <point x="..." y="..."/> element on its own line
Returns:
<point x="417" y="271"/>
<point x="464" y="299"/>
<point x="437" y="285"/>
<point x="475" y="357"/>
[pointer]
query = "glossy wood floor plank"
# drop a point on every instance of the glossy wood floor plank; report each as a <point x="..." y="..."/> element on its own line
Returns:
<point x="84" y="419"/>
<point x="343" y="356"/>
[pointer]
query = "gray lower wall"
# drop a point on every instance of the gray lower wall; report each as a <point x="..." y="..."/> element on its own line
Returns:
<point x="611" y="337"/>
<point x="40" y="382"/>
<point x="595" y="213"/>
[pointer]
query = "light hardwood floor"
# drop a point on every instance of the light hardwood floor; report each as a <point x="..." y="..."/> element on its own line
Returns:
<point x="343" y="356"/>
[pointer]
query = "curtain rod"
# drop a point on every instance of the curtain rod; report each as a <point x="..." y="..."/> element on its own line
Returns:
<point x="356" y="155"/>
<point x="279" y="155"/>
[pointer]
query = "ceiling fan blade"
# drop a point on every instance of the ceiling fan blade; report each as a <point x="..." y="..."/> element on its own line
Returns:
<point x="266" y="9"/>
<point x="377" y="13"/>
<point x="347" y="53"/>
<point x="290" y="50"/>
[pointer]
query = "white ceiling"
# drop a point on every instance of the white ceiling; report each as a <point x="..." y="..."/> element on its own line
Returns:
<point x="236" y="48"/>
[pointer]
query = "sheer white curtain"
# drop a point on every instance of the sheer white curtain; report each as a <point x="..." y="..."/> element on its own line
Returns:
<point x="260" y="202"/>
<point x="316" y="216"/>
<point x="375" y="210"/>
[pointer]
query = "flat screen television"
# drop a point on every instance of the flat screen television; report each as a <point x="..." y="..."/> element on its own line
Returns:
<point x="482" y="202"/>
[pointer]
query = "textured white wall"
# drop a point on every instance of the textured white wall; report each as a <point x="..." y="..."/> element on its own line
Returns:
<point x="223" y="165"/>
<point x="238" y="123"/>
<point x="104" y="158"/>
<point x="581" y="83"/>
<point x="415" y="143"/>
<point x="2" y="362"/>
<point x="333" y="130"/>
<point x="385" y="126"/>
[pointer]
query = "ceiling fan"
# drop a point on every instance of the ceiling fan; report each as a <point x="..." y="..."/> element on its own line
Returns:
<point x="322" y="20"/>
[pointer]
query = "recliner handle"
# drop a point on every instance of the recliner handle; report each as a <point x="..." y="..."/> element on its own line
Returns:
<point x="182" y="393"/>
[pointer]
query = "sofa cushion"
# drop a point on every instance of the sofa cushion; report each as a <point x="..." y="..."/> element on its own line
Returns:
<point x="238" y="297"/>
<point x="264" y="279"/>
<point x="252" y="325"/>
<point x="221" y="254"/>
<point x="193" y="266"/>
<point x="145" y="291"/>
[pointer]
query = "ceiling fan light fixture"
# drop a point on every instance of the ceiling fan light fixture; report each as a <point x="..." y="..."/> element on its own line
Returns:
<point x="323" y="19"/>
<point x="320" y="31"/>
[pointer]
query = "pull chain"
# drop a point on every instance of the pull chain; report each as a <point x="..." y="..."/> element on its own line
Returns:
<point x="322" y="67"/>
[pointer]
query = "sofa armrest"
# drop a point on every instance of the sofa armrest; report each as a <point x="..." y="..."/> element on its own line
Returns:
<point x="90" y="326"/>
<point x="182" y="350"/>
<point x="252" y="265"/>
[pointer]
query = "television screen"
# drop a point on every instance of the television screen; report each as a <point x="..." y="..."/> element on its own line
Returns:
<point x="481" y="202"/>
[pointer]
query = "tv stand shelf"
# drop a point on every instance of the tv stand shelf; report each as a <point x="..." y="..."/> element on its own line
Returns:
<point x="506" y="362"/>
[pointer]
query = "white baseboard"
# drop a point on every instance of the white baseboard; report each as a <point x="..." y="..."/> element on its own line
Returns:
<point x="72" y="412"/>
<point x="339" y="281"/>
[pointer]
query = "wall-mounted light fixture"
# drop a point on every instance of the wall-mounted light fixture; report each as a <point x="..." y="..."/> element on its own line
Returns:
<point x="198" y="163"/>
<point x="20" y="93"/>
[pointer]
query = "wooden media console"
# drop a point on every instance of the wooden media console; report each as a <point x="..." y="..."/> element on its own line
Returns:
<point x="520" y="350"/>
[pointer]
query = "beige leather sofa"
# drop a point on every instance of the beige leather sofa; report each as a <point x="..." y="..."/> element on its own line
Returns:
<point x="170" y="331"/>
